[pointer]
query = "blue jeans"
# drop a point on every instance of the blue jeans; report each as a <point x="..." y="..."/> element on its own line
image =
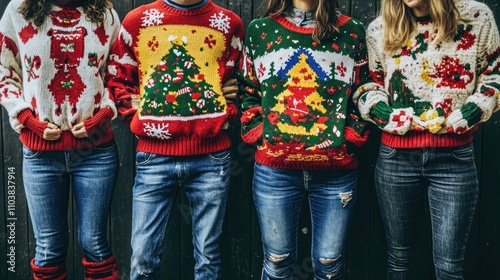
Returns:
<point x="278" y="195"/>
<point x="205" y="180"/>
<point x="402" y="179"/>
<point x="47" y="178"/>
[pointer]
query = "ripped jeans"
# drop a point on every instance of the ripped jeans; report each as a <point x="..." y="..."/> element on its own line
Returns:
<point x="278" y="195"/>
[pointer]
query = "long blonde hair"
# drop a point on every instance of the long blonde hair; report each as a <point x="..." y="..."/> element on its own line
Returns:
<point x="327" y="21"/>
<point x="399" y="23"/>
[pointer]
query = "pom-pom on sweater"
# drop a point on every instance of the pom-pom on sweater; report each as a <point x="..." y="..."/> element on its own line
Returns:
<point x="425" y="82"/>
<point x="296" y="94"/>
<point x="166" y="74"/>
<point x="54" y="73"/>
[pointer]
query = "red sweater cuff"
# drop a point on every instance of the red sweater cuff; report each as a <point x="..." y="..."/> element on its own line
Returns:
<point x="27" y="119"/>
<point x="103" y="116"/>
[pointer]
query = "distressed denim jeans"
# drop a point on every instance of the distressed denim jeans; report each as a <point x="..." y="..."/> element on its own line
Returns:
<point x="47" y="178"/>
<point x="205" y="180"/>
<point x="448" y="176"/>
<point x="278" y="195"/>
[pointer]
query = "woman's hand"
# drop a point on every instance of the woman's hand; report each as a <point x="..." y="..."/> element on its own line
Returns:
<point x="79" y="130"/>
<point x="52" y="132"/>
<point x="445" y="128"/>
<point x="230" y="90"/>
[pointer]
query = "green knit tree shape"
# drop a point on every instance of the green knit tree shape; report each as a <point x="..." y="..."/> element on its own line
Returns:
<point x="176" y="87"/>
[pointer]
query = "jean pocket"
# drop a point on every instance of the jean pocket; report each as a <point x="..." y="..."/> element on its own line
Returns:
<point x="464" y="153"/>
<point x="108" y="146"/>
<point x="142" y="158"/>
<point x="386" y="151"/>
<point x="29" y="153"/>
<point x="220" y="156"/>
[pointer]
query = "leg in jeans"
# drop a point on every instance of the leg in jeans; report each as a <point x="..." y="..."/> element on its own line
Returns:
<point x="332" y="196"/>
<point x="46" y="186"/>
<point x="155" y="189"/>
<point x="278" y="196"/>
<point x="453" y="196"/>
<point x="94" y="173"/>
<point x="400" y="191"/>
<point x="206" y="187"/>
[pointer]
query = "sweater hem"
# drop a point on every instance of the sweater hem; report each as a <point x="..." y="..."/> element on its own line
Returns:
<point x="415" y="139"/>
<point x="184" y="146"/>
<point x="348" y="162"/>
<point x="67" y="141"/>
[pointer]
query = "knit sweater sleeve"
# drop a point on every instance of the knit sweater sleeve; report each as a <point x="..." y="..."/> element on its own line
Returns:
<point x="251" y="119"/>
<point x="232" y="58"/>
<point x="11" y="91"/>
<point x="485" y="99"/>
<point x="371" y="98"/>
<point x="122" y="76"/>
<point x="356" y="130"/>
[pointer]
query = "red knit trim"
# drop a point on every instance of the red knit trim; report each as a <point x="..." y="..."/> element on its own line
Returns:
<point x="103" y="117"/>
<point x="58" y="272"/>
<point x="352" y="136"/>
<point x="66" y="142"/>
<point x="26" y="118"/>
<point x="414" y="139"/>
<point x="349" y="162"/>
<point x="184" y="146"/>
<point x="301" y="29"/>
<point x="105" y="270"/>
<point x="288" y="157"/>
<point x="292" y="26"/>
<point x="171" y="10"/>
<point x="254" y="134"/>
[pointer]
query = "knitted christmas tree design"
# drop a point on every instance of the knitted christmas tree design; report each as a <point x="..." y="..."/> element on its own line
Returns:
<point x="300" y="113"/>
<point x="177" y="87"/>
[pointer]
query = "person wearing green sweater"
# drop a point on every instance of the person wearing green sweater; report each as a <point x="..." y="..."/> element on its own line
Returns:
<point x="436" y="65"/>
<point x="301" y="63"/>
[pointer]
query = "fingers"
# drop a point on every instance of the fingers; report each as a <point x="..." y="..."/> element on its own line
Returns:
<point x="52" y="132"/>
<point x="79" y="130"/>
<point x="415" y="126"/>
<point x="230" y="98"/>
<point x="230" y="82"/>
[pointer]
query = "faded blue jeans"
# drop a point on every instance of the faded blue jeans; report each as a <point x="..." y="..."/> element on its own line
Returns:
<point x="205" y="180"/>
<point x="278" y="196"/>
<point x="47" y="177"/>
<point x="449" y="177"/>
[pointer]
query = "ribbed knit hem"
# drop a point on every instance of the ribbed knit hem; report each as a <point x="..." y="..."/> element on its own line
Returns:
<point x="414" y="139"/>
<point x="348" y="162"/>
<point x="184" y="146"/>
<point x="66" y="142"/>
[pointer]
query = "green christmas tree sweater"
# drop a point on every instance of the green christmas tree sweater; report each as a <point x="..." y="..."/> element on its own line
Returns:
<point x="296" y="94"/>
<point x="166" y="74"/>
<point x="457" y="81"/>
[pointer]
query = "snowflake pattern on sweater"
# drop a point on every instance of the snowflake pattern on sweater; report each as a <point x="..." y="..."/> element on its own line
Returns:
<point x="457" y="81"/>
<point x="166" y="74"/>
<point x="297" y="94"/>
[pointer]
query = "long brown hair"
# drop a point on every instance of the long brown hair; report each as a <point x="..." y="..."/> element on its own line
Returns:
<point x="37" y="10"/>
<point x="399" y="23"/>
<point x="327" y="21"/>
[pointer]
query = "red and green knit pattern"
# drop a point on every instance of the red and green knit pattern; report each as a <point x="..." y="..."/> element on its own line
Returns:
<point x="455" y="82"/>
<point x="296" y="94"/>
<point x="166" y="75"/>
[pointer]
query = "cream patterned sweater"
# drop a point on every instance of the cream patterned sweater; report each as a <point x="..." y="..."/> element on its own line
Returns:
<point x="429" y="83"/>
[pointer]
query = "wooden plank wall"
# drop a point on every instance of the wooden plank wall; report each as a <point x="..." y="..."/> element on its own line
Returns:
<point x="242" y="254"/>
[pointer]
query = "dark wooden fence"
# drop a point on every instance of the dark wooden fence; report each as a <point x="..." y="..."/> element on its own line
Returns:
<point x="242" y="253"/>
